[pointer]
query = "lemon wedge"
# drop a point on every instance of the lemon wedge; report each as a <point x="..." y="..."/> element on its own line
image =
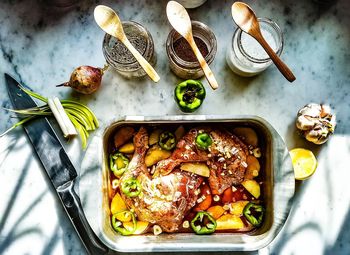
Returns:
<point x="304" y="163"/>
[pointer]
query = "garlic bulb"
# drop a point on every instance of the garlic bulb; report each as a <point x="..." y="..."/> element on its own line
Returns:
<point x="316" y="122"/>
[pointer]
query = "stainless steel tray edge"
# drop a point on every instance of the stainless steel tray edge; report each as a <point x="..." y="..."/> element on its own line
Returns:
<point x="92" y="201"/>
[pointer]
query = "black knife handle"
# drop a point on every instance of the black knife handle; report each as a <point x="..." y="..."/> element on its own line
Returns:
<point x="74" y="209"/>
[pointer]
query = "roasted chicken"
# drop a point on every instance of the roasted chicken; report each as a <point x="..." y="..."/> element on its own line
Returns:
<point x="226" y="158"/>
<point x="164" y="200"/>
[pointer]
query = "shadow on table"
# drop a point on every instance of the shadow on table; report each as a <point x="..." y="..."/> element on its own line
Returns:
<point x="343" y="240"/>
<point x="333" y="244"/>
<point x="16" y="232"/>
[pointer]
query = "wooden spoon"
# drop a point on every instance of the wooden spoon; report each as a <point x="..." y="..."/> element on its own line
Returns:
<point x="109" y="22"/>
<point x="180" y="20"/>
<point x="246" y="19"/>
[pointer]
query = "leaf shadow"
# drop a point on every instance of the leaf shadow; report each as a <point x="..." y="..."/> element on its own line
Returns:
<point x="13" y="235"/>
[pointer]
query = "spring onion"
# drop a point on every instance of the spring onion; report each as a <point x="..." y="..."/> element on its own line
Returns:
<point x="82" y="118"/>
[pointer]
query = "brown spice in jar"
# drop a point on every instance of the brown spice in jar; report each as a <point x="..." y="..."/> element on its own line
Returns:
<point x="184" y="51"/>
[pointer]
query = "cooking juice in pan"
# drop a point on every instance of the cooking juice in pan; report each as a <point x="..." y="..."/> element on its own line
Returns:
<point x="202" y="180"/>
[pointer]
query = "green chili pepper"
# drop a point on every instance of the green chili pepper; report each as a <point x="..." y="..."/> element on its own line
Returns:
<point x="131" y="187"/>
<point x="254" y="213"/>
<point x="167" y="141"/>
<point x="118" y="225"/>
<point x="118" y="163"/>
<point x="203" y="141"/>
<point x="203" y="223"/>
<point x="189" y="95"/>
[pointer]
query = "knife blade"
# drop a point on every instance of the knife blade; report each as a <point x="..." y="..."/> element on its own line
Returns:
<point x="57" y="165"/>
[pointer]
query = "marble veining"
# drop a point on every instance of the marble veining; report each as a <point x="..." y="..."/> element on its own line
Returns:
<point x="41" y="46"/>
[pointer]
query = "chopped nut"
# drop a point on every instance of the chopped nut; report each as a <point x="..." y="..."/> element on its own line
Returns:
<point x="216" y="198"/>
<point x="186" y="224"/>
<point x="244" y="164"/>
<point x="231" y="209"/>
<point x="178" y="194"/>
<point x="221" y="159"/>
<point x="234" y="188"/>
<point x="234" y="151"/>
<point x="200" y="200"/>
<point x="224" y="167"/>
<point x="115" y="183"/>
<point x="257" y="152"/>
<point x="222" y="174"/>
<point x="118" y="223"/>
<point x="187" y="147"/>
<point x="157" y="230"/>
<point x="197" y="191"/>
<point x="226" y="207"/>
<point x="153" y="169"/>
<point x="209" y="155"/>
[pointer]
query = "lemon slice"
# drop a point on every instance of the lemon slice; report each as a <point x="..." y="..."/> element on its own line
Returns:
<point x="304" y="163"/>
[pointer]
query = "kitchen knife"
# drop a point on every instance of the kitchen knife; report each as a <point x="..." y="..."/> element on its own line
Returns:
<point x="57" y="165"/>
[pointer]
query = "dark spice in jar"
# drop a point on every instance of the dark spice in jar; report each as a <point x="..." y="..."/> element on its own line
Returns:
<point x="184" y="51"/>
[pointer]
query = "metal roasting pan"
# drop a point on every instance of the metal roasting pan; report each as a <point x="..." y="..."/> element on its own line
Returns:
<point x="277" y="189"/>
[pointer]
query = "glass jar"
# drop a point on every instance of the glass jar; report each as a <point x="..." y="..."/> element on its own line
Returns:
<point x="191" y="69"/>
<point x="246" y="57"/>
<point x="191" y="3"/>
<point x="119" y="57"/>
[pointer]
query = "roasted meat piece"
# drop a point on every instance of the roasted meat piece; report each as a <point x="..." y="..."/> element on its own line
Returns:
<point x="164" y="200"/>
<point x="226" y="158"/>
<point x="228" y="161"/>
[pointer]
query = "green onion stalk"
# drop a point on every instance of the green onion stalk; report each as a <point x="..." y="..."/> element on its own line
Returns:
<point x="83" y="119"/>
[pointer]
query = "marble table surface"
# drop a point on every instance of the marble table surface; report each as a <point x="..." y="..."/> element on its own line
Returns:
<point x="41" y="46"/>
